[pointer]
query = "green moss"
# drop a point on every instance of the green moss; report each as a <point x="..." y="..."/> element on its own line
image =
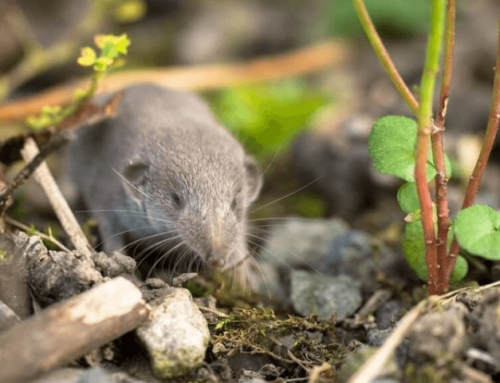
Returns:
<point x="256" y="331"/>
<point x="431" y="373"/>
<point x="165" y="367"/>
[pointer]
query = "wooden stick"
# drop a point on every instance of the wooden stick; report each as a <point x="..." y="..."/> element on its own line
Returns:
<point x="48" y="184"/>
<point x="306" y="60"/>
<point x="70" y="329"/>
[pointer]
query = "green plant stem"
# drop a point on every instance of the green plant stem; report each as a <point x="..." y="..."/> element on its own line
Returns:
<point x="438" y="148"/>
<point x="488" y="142"/>
<point x="384" y="57"/>
<point x="424" y="131"/>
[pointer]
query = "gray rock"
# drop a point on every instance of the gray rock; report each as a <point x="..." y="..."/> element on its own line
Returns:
<point x="376" y="337"/>
<point x="176" y="335"/>
<point x="339" y="166"/>
<point x="14" y="287"/>
<point x="436" y="334"/>
<point x="7" y="317"/>
<point x="388" y="314"/>
<point x="482" y="361"/>
<point x="95" y="375"/>
<point x="354" y="254"/>
<point x="249" y="363"/>
<point x="299" y="242"/>
<point x="316" y="294"/>
<point x="62" y="375"/>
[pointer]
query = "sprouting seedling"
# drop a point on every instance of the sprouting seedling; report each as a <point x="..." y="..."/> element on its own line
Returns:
<point x="111" y="50"/>
<point x="400" y="147"/>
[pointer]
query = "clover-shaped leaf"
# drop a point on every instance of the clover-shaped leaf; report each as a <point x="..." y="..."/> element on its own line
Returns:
<point x="121" y="44"/>
<point x="392" y="148"/>
<point x="414" y="249"/>
<point x="87" y="57"/>
<point x="100" y="40"/>
<point x="478" y="231"/>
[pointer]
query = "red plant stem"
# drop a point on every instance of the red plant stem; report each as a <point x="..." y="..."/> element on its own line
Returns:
<point x="425" y="199"/>
<point x="431" y="67"/>
<point x="488" y="141"/>
<point x="438" y="149"/>
<point x="384" y="57"/>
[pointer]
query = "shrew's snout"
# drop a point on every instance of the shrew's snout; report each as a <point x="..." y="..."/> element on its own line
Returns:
<point x="215" y="259"/>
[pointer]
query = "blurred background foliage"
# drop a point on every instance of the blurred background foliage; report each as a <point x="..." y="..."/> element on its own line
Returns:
<point x="269" y="118"/>
<point x="396" y="19"/>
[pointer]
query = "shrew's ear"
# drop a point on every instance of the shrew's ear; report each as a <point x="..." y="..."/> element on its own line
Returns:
<point x="134" y="179"/>
<point x="253" y="178"/>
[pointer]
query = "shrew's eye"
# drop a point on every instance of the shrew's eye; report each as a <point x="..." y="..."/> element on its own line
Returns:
<point x="234" y="205"/>
<point x="177" y="201"/>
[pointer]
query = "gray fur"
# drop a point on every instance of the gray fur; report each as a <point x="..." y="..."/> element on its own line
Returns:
<point x="162" y="144"/>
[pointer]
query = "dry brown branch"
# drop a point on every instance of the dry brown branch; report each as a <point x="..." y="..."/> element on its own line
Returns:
<point x="306" y="60"/>
<point x="70" y="329"/>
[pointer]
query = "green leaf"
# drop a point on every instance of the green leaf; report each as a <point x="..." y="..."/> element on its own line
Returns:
<point x="80" y="94"/>
<point x="108" y="51"/>
<point x="408" y="197"/>
<point x="51" y="109"/>
<point x="100" y="40"/>
<point x="87" y="57"/>
<point x="122" y="43"/>
<point x="39" y="122"/>
<point x="392" y="148"/>
<point x="102" y="64"/>
<point x="478" y="231"/>
<point x="414" y="249"/>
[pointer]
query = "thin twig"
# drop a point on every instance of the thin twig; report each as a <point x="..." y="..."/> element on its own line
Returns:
<point x="212" y="311"/>
<point x="488" y="142"/>
<point x="316" y="371"/>
<point x="27" y="229"/>
<point x="384" y="57"/>
<point x="441" y="180"/>
<point x="424" y="131"/>
<point x="68" y="221"/>
<point x="30" y="167"/>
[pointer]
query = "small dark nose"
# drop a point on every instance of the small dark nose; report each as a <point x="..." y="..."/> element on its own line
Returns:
<point x="215" y="260"/>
